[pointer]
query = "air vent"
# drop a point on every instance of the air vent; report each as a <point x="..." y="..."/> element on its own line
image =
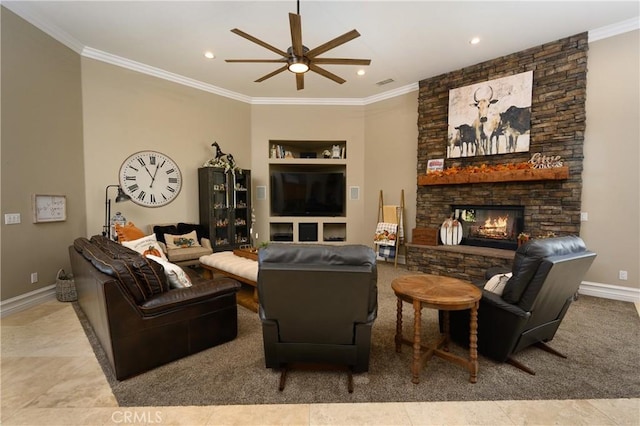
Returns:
<point x="383" y="82"/>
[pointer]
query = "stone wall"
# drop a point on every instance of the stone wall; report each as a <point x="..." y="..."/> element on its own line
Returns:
<point x="557" y="128"/>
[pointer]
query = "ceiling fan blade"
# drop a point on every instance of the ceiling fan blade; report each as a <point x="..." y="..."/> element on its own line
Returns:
<point x="271" y="74"/>
<point x="325" y="73"/>
<point x="259" y="42"/>
<point x="333" y="43"/>
<point x="341" y="61"/>
<point x="257" y="61"/>
<point x="300" y="81"/>
<point x="296" y="34"/>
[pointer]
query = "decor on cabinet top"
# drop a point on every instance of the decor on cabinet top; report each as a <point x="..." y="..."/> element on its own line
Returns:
<point x="491" y="117"/>
<point x="222" y="160"/>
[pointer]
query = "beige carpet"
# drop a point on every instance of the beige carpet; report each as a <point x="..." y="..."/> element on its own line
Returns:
<point x="600" y="337"/>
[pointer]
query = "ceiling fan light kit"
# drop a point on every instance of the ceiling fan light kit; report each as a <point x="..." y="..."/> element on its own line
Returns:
<point x="298" y="58"/>
<point x="298" y="65"/>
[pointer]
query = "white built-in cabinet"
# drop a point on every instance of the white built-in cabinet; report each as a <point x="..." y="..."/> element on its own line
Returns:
<point x="313" y="156"/>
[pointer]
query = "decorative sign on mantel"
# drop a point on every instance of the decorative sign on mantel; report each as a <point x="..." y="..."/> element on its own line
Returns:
<point x="540" y="161"/>
<point x="49" y="208"/>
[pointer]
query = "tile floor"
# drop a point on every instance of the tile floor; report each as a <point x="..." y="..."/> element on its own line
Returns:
<point x="51" y="377"/>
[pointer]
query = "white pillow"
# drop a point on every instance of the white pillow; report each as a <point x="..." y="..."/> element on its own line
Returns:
<point x="175" y="275"/>
<point x="146" y="244"/>
<point x="182" y="241"/>
<point x="497" y="282"/>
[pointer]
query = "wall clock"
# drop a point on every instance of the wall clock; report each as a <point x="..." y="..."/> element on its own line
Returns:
<point x="150" y="178"/>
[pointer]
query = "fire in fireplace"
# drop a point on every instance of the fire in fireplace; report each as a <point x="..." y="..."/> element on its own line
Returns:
<point x="490" y="226"/>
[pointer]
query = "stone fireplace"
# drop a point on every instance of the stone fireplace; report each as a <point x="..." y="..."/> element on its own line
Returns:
<point x="549" y="205"/>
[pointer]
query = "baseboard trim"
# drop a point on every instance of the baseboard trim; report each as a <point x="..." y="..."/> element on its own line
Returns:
<point x="27" y="300"/>
<point x="608" y="291"/>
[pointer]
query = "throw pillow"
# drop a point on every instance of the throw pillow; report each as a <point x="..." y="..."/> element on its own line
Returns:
<point x="146" y="245"/>
<point x="128" y="232"/>
<point x="182" y="241"/>
<point x="185" y="228"/>
<point x="160" y="230"/>
<point x="497" y="282"/>
<point x="175" y="275"/>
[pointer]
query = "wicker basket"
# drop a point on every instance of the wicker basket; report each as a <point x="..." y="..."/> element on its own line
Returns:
<point x="65" y="287"/>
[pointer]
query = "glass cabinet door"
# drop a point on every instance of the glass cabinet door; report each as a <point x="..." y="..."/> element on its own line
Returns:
<point x="241" y="203"/>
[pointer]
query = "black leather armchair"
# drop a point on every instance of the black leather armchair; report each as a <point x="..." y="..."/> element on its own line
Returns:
<point x="317" y="305"/>
<point x="545" y="280"/>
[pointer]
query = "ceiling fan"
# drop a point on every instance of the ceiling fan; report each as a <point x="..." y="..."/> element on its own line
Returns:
<point x="298" y="58"/>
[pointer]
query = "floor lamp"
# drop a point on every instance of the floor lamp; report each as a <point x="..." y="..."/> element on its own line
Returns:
<point x="107" y="206"/>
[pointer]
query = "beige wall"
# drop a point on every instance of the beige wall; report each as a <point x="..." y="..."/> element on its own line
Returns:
<point x="126" y="112"/>
<point x="611" y="179"/>
<point x="390" y="158"/>
<point x="41" y="153"/>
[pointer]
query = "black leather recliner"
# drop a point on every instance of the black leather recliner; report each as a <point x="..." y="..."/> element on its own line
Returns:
<point x="317" y="305"/>
<point x="545" y="280"/>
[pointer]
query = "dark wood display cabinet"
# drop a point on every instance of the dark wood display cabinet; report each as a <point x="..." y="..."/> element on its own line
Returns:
<point x="225" y="206"/>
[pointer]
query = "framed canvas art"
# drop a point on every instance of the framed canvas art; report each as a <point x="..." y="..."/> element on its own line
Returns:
<point x="49" y="208"/>
<point x="492" y="117"/>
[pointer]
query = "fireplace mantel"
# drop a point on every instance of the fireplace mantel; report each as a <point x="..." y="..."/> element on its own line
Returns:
<point x="555" y="173"/>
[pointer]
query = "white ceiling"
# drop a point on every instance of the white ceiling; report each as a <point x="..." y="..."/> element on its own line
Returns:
<point x="407" y="41"/>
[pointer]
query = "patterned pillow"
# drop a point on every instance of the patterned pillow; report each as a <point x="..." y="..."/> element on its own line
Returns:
<point x="175" y="275"/>
<point x="146" y="245"/>
<point x="182" y="241"/>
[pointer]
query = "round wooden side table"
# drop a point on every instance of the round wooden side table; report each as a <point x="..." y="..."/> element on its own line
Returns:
<point x="445" y="294"/>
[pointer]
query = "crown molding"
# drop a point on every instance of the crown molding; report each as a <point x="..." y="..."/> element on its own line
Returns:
<point x="614" y="29"/>
<point x="392" y="93"/>
<point x="307" y="101"/>
<point x="338" y="101"/>
<point x="99" y="55"/>
<point x="69" y="41"/>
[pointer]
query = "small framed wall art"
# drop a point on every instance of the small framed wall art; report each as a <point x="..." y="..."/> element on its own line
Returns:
<point x="49" y="208"/>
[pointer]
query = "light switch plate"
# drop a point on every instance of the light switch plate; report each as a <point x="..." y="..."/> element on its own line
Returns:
<point x="12" y="218"/>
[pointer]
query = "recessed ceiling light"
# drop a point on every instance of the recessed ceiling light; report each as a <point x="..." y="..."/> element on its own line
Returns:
<point x="361" y="72"/>
<point x="475" y="40"/>
<point x="209" y="55"/>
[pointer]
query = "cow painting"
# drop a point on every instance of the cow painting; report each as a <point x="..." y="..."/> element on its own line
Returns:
<point x="482" y="104"/>
<point x="491" y="117"/>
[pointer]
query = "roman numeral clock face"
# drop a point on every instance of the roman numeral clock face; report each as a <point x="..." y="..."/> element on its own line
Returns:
<point x="150" y="178"/>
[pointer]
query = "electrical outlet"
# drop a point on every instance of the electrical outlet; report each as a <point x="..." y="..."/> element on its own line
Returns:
<point x="622" y="275"/>
<point x="584" y="216"/>
<point x="34" y="277"/>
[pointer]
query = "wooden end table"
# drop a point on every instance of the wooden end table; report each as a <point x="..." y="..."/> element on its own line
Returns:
<point x="445" y="294"/>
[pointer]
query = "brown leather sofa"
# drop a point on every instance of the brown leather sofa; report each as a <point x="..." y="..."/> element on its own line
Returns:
<point x="140" y="322"/>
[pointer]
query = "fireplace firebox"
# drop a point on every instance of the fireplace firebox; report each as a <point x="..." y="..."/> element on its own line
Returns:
<point x="490" y="226"/>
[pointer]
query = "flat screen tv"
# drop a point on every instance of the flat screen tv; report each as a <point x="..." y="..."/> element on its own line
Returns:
<point x="308" y="193"/>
